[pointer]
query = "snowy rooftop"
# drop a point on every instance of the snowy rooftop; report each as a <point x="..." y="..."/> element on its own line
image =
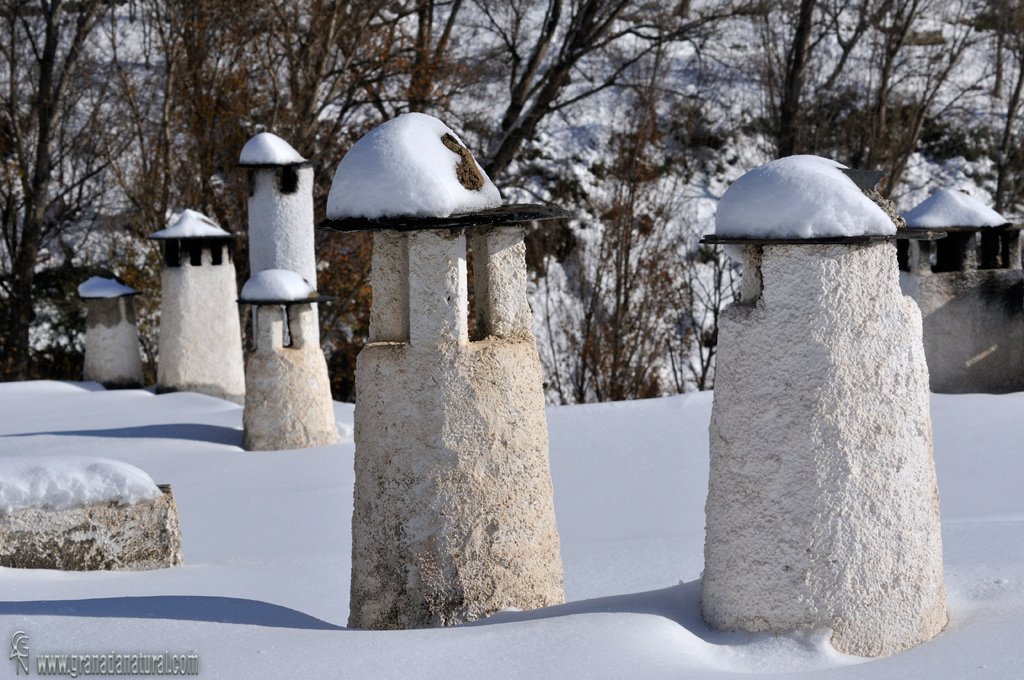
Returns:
<point x="630" y="481"/>
<point x="65" y="481"/>
<point x="952" y="208"/>
<point x="798" y="197"/>
<point x="269" y="149"/>
<point x="103" y="287"/>
<point x="277" y="284"/>
<point x="410" y="165"/>
<point x="192" y="224"/>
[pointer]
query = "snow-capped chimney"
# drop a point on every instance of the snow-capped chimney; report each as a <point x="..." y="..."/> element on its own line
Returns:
<point x="281" y="227"/>
<point x="287" y="391"/>
<point x="822" y="508"/>
<point x="972" y="297"/>
<point x="112" y="355"/>
<point x="200" y="336"/>
<point x="450" y="434"/>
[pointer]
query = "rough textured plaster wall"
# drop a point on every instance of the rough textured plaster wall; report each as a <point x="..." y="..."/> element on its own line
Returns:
<point x="438" y="296"/>
<point x="822" y="505"/>
<point x="200" y="336"/>
<point x="454" y="513"/>
<point x="499" y="269"/>
<point x="389" y="313"/>
<point x="281" y="227"/>
<point x="112" y="355"/>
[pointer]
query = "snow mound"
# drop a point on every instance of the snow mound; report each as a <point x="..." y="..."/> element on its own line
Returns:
<point x="269" y="149"/>
<point x="952" y="208"/>
<point x="798" y="197"/>
<point x="277" y="284"/>
<point x="411" y="165"/>
<point x="191" y="224"/>
<point x="64" y="481"/>
<point x="102" y="287"/>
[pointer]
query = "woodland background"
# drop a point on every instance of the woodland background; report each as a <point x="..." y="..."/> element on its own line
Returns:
<point x="116" y="115"/>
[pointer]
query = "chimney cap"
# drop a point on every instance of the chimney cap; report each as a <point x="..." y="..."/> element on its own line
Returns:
<point x="506" y="214"/>
<point x="954" y="209"/>
<point x="801" y="197"/>
<point x="413" y="164"/>
<point x="280" y="287"/>
<point x="900" y="235"/>
<point x="104" y="285"/>
<point x="267" y="150"/>
<point x="192" y="225"/>
<point x="288" y="302"/>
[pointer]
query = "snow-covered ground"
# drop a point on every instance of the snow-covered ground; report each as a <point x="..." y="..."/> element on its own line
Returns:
<point x="266" y="542"/>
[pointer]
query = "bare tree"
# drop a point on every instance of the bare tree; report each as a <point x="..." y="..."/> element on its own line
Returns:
<point x="51" y="107"/>
<point x="609" y="343"/>
<point x="1010" y="160"/>
<point x="914" y="92"/>
<point x="538" y="62"/>
<point x="709" y="279"/>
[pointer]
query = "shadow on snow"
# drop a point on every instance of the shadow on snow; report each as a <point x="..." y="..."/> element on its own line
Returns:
<point x="214" y="434"/>
<point x="175" y="607"/>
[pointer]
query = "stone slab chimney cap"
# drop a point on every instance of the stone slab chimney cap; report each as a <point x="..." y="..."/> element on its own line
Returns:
<point x="866" y="180"/>
<point x="954" y="210"/>
<point x="1003" y="227"/>
<point x="288" y="302"/>
<point x="267" y="150"/>
<point x="192" y="225"/>
<point x="901" y="234"/>
<point x="506" y="214"/>
<point x="105" y="284"/>
<point x="226" y="236"/>
<point x="271" y="166"/>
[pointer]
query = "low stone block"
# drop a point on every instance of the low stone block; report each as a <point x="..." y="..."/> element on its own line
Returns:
<point x="101" y="536"/>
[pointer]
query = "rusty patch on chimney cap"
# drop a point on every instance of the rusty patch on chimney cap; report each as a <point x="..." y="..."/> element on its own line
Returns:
<point x="466" y="171"/>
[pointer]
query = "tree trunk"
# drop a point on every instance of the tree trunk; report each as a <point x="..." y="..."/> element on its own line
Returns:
<point x="796" y="69"/>
<point x="1002" y="201"/>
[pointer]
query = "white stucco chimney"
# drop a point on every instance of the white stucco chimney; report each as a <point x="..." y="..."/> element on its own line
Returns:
<point x="200" y="336"/>
<point x="822" y="508"/>
<point x="112" y="356"/>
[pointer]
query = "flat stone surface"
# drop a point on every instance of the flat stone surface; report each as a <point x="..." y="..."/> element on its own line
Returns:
<point x="506" y="214"/>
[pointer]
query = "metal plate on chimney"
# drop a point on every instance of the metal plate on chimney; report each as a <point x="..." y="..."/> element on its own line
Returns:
<point x="901" y="234"/>
<point x="272" y="166"/>
<point x="506" y="214"/>
<point x="288" y="303"/>
<point x="1002" y="227"/>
